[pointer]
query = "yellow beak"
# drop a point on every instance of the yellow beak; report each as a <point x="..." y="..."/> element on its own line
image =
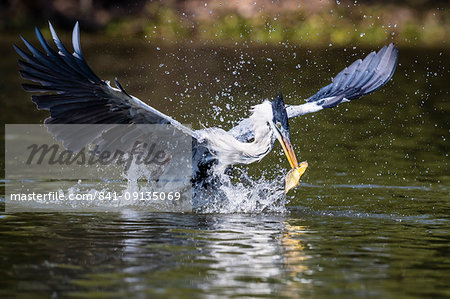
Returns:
<point x="289" y="151"/>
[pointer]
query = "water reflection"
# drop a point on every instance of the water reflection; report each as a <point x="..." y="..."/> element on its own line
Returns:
<point x="140" y="254"/>
<point x="134" y="253"/>
<point x="234" y="254"/>
<point x="244" y="255"/>
<point x="294" y="249"/>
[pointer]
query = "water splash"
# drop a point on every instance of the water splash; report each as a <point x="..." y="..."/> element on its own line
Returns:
<point x="241" y="193"/>
<point x="228" y="193"/>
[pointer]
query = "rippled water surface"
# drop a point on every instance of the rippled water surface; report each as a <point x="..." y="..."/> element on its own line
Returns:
<point x="371" y="217"/>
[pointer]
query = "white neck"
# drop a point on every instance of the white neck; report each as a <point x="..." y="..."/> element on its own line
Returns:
<point x="231" y="151"/>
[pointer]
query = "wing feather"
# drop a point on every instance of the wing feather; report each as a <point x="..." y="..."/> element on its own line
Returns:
<point x="73" y="93"/>
<point x="360" y="78"/>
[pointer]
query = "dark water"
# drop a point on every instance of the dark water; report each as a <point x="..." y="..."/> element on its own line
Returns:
<point x="370" y="219"/>
<point x="307" y="252"/>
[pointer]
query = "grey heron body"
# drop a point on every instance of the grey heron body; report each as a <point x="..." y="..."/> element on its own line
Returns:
<point x="73" y="94"/>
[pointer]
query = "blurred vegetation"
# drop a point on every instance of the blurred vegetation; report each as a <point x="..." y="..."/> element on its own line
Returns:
<point x="311" y="23"/>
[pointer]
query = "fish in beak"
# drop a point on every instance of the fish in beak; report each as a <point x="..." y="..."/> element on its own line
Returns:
<point x="281" y="128"/>
<point x="293" y="177"/>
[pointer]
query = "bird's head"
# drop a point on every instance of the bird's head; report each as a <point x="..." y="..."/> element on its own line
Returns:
<point x="280" y="127"/>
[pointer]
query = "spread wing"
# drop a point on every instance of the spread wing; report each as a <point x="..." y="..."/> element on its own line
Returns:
<point x="360" y="78"/>
<point x="73" y="94"/>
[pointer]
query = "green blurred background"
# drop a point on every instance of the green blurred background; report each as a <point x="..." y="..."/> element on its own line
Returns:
<point x="410" y="23"/>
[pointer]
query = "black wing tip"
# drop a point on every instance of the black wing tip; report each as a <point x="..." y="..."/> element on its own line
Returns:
<point x="16" y="48"/>
<point x="121" y="88"/>
<point x="24" y="40"/>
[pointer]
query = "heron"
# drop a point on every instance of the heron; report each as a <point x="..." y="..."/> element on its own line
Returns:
<point x="74" y="94"/>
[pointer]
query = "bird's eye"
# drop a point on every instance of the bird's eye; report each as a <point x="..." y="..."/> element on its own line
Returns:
<point x="278" y="125"/>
